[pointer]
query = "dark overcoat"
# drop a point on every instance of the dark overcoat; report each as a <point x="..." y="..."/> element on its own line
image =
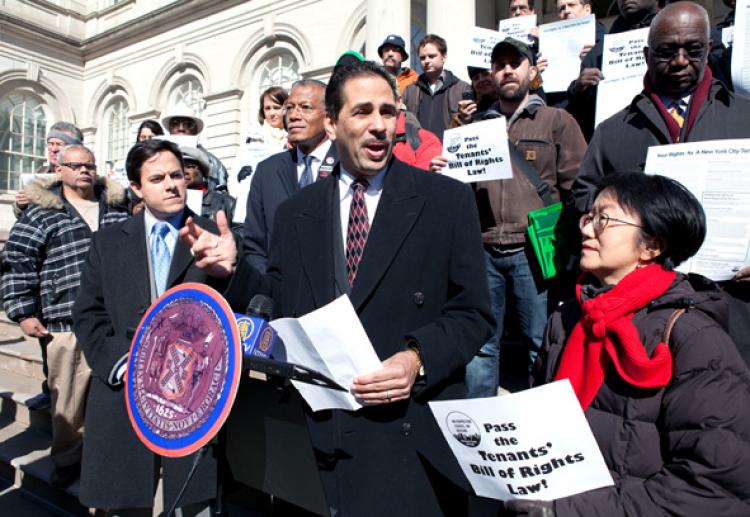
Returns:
<point x="679" y="450"/>
<point x="422" y="276"/>
<point x="117" y="470"/>
<point x="273" y="183"/>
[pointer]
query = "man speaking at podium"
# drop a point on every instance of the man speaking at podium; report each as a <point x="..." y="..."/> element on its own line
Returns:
<point x="405" y="245"/>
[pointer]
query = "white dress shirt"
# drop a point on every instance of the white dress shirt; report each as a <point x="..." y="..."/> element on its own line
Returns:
<point x="372" y="197"/>
<point x="318" y="156"/>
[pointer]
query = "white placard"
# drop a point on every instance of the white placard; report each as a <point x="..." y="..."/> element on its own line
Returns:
<point x="727" y="36"/>
<point x="741" y="48"/>
<point x="561" y="43"/>
<point x="623" y="68"/>
<point x="535" y="444"/>
<point x="194" y="200"/>
<point x="480" y="46"/>
<point x="251" y="155"/>
<point x="518" y="28"/>
<point x="716" y="173"/>
<point x="478" y="152"/>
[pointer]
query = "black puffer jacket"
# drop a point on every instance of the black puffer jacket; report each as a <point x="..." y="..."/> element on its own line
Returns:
<point x="680" y="450"/>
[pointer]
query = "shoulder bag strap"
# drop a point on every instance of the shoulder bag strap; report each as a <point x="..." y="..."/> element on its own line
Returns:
<point x="541" y="187"/>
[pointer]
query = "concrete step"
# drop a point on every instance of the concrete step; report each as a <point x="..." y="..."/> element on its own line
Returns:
<point x="18" y="502"/>
<point x="25" y="462"/>
<point x="19" y="354"/>
<point x="15" y="391"/>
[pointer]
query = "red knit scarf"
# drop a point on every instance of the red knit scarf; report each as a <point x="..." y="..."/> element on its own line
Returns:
<point x="698" y="98"/>
<point x="605" y="333"/>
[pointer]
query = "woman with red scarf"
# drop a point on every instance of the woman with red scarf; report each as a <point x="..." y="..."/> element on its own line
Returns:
<point x="670" y="410"/>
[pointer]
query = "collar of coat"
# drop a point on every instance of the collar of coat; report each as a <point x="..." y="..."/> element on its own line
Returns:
<point x="47" y="192"/>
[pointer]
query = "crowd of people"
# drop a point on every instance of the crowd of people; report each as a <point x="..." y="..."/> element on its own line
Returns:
<point x="340" y="192"/>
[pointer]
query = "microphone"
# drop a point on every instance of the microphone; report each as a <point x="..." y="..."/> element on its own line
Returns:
<point x="257" y="336"/>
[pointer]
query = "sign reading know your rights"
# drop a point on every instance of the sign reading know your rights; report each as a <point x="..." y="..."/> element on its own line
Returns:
<point x="509" y="451"/>
<point x="478" y="152"/>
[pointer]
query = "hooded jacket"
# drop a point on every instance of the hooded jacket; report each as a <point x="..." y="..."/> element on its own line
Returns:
<point x="552" y="143"/>
<point x="47" y="247"/>
<point x="680" y="450"/>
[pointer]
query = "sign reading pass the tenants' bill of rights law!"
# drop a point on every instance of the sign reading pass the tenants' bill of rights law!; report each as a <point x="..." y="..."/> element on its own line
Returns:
<point x="508" y="452"/>
<point x="478" y="152"/>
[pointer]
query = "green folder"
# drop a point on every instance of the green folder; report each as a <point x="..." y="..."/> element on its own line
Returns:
<point x="542" y="234"/>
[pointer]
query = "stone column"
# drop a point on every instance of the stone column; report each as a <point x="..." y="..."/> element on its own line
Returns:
<point x="453" y="21"/>
<point x="384" y="18"/>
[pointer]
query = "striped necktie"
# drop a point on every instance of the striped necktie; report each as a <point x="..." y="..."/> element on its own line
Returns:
<point x="677" y="111"/>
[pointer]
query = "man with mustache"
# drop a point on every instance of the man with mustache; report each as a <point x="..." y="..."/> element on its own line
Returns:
<point x="393" y="53"/>
<point x="44" y="255"/>
<point x="278" y="177"/>
<point x="549" y="140"/>
<point x="404" y="244"/>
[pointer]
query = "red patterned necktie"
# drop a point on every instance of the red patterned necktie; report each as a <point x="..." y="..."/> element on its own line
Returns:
<point x="358" y="230"/>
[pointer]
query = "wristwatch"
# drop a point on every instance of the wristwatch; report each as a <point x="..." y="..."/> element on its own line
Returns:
<point x="413" y="345"/>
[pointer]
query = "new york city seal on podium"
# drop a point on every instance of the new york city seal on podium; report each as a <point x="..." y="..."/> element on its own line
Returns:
<point x="183" y="370"/>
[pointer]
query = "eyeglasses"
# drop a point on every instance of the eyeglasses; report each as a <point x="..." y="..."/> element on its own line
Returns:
<point x="77" y="166"/>
<point x="601" y="220"/>
<point x="306" y="110"/>
<point x="667" y="54"/>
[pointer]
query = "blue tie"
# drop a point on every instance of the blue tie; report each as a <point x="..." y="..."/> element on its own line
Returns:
<point x="161" y="258"/>
<point x="306" y="177"/>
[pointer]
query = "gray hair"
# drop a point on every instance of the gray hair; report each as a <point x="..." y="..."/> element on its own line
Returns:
<point x="62" y="152"/>
<point x="308" y="82"/>
<point x="67" y="128"/>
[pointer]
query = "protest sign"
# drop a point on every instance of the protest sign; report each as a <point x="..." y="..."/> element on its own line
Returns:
<point x="509" y="451"/>
<point x="478" y="152"/>
<point x="480" y="46"/>
<point x="715" y="172"/>
<point x="518" y="28"/>
<point x="561" y="43"/>
<point x="741" y="48"/>
<point x="623" y="68"/>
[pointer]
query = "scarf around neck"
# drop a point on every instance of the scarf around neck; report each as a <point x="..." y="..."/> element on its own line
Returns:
<point x="605" y="334"/>
<point x="699" y="96"/>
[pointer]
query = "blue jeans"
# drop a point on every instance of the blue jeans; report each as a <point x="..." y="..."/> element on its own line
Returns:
<point x="507" y="275"/>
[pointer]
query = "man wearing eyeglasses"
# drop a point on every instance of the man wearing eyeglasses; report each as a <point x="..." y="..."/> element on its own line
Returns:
<point x="44" y="253"/>
<point x="311" y="157"/>
<point x="681" y="102"/>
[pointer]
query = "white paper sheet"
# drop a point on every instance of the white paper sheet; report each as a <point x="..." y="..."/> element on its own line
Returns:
<point x="332" y="341"/>
<point x="535" y="444"/>
<point x="741" y="48"/>
<point x="561" y="43"/>
<point x="480" y="46"/>
<point x="519" y="28"/>
<point x="27" y="177"/>
<point x="478" y="152"/>
<point x="716" y="173"/>
<point x="623" y="68"/>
